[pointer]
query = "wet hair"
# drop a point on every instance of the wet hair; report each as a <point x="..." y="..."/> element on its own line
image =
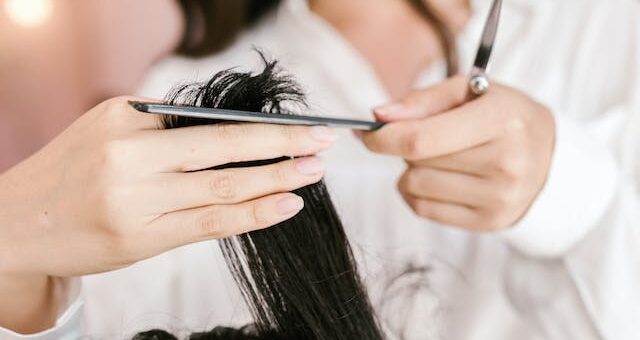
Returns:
<point x="212" y="25"/>
<point x="298" y="278"/>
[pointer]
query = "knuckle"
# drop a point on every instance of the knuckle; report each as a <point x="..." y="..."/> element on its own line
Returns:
<point x="414" y="146"/>
<point x="223" y="186"/>
<point x="116" y="107"/>
<point x="514" y="124"/>
<point x="505" y="195"/>
<point x="505" y="198"/>
<point x="402" y="189"/>
<point x="280" y="174"/>
<point x="116" y="153"/>
<point x="500" y="199"/>
<point x="289" y="134"/>
<point x="211" y="223"/>
<point x="403" y="182"/>
<point x="257" y="216"/>
<point x="413" y="179"/>
<point x="253" y="216"/>
<point x="511" y="167"/>
<point x="491" y="221"/>
<point x="113" y="104"/>
<point x="229" y="132"/>
<point x="424" y="209"/>
<point x="115" y="115"/>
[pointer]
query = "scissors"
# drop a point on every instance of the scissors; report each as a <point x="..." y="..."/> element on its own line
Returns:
<point x="478" y="84"/>
<point x="478" y="81"/>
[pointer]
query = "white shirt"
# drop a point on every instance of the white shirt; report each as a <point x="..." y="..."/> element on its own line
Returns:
<point x="570" y="269"/>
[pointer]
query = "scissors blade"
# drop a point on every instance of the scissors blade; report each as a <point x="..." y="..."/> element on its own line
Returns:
<point x="488" y="37"/>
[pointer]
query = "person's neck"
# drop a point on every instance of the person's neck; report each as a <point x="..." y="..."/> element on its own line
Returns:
<point x="390" y="34"/>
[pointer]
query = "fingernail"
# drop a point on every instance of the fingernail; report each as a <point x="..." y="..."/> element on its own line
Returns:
<point x="390" y="109"/>
<point x="323" y="134"/>
<point x="310" y="166"/>
<point x="290" y="205"/>
<point x="358" y="134"/>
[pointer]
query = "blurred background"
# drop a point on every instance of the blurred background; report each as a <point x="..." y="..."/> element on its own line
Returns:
<point x="58" y="58"/>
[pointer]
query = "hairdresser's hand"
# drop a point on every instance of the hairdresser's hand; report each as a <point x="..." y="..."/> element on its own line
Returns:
<point x="476" y="164"/>
<point x="113" y="189"/>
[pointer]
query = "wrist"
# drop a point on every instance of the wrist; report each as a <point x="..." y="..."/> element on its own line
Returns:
<point x="29" y="303"/>
<point x="19" y="222"/>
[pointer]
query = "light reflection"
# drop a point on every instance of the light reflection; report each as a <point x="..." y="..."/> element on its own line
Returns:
<point x="29" y="13"/>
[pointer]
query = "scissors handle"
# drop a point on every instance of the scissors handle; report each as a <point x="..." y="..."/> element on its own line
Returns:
<point x="478" y="82"/>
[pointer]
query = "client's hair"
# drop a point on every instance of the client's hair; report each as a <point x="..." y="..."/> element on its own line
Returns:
<point x="298" y="278"/>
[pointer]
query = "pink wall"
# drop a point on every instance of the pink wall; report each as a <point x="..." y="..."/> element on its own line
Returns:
<point x="87" y="51"/>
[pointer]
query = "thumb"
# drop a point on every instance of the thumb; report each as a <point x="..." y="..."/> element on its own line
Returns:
<point x="427" y="102"/>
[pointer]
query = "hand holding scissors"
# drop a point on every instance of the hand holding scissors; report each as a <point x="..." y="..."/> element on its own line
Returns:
<point x="477" y="154"/>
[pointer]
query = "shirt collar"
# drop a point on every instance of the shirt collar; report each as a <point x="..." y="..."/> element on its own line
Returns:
<point x="517" y="19"/>
<point x="315" y="41"/>
<point x="318" y="42"/>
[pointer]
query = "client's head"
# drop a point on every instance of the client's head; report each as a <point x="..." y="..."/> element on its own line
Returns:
<point x="298" y="278"/>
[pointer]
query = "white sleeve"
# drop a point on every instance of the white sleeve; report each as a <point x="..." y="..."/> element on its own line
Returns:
<point x="595" y="155"/>
<point x="69" y="322"/>
<point x="575" y="265"/>
<point x="575" y="268"/>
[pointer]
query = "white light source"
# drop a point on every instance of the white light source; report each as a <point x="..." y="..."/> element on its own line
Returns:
<point x="28" y="13"/>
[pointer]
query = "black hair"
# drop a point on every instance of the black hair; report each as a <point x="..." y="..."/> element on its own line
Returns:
<point x="298" y="278"/>
<point x="211" y="25"/>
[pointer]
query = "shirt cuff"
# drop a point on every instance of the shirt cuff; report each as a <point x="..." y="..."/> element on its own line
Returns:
<point x="580" y="186"/>
<point x="69" y="323"/>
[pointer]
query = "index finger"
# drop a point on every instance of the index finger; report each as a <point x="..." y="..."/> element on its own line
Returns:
<point x="459" y="129"/>
<point x="427" y="102"/>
